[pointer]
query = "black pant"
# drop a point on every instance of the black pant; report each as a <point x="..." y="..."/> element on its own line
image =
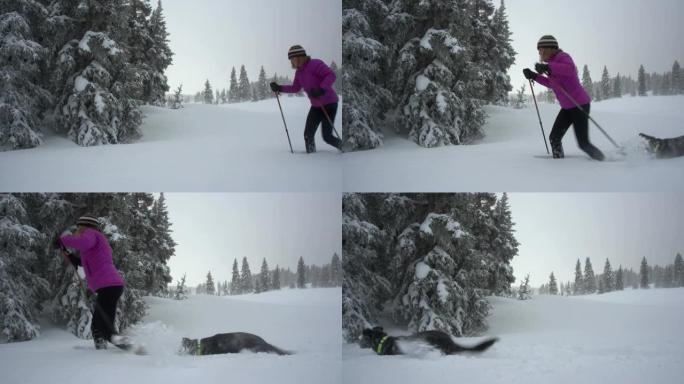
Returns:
<point x="104" y="312"/>
<point x="317" y="116"/>
<point x="566" y="118"/>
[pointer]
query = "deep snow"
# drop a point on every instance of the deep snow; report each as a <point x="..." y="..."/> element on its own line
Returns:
<point x="304" y="321"/>
<point x="199" y="148"/>
<point x="505" y="159"/>
<point x="620" y="337"/>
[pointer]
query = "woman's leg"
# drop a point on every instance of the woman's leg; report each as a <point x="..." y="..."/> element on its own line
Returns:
<point x="313" y="119"/>
<point x="107" y="300"/>
<point x="327" y="129"/>
<point x="560" y="126"/>
<point x="581" y="123"/>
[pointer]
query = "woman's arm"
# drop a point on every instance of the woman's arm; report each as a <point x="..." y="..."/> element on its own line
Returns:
<point x="294" y="88"/>
<point x="86" y="240"/>
<point x="327" y="75"/>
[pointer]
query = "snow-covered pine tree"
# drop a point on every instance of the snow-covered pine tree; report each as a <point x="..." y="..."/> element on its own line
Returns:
<point x="553" y="287"/>
<point x="589" y="278"/>
<point x="233" y="92"/>
<point x="235" y="284"/>
<point x="608" y="278"/>
<point x="579" y="280"/>
<point x="246" y="283"/>
<point x="211" y="289"/>
<point x="263" y="89"/>
<point x="502" y="55"/>
<point x="643" y="274"/>
<point x="642" y="81"/>
<point x="244" y="88"/>
<point x="301" y="271"/>
<point x="177" y="98"/>
<point x="606" y="89"/>
<point x="619" y="280"/>
<point x="264" y="281"/>
<point x="524" y="292"/>
<point x="208" y="93"/>
<point x="217" y="97"/>
<point x="276" y="278"/>
<point x="336" y="272"/>
<point x="617" y="86"/>
<point x="519" y="102"/>
<point x="23" y="98"/>
<point x="226" y="289"/>
<point x="677" y="80"/>
<point x="587" y="83"/>
<point x="159" y="57"/>
<point x="678" y="271"/>
<point x="181" y="291"/>
<point x="224" y="96"/>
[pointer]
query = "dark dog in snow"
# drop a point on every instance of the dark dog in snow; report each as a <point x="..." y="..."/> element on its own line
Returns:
<point x="234" y="342"/>
<point x="665" y="148"/>
<point x="383" y="344"/>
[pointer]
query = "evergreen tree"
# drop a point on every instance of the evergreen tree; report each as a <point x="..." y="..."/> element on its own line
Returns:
<point x="244" y="88"/>
<point x="589" y="278"/>
<point x="301" y="270"/>
<point x="208" y="93"/>
<point x="519" y="102"/>
<point x="276" y="279"/>
<point x="217" y="98"/>
<point x="553" y="288"/>
<point x="643" y="273"/>
<point x="524" y="292"/>
<point x="336" y="271"/>
<point x="159" y="57"/>
<point x="246" y="283"/>
<point x="233" y="92"/>
<point x="606" y="89"/>
<point x="642" y="81"/>
<point x="235" y="285"/>
<point x="210" y="288"/>
<point x="608" y="279"/>
<point x="677" y="79"/>
<point x="587" y="83"/>
<point x="181" y="291"/>
<point x="579" y="280"/>
<point x="263" y="277"/>
<point x="619" y="280"/>
<point x="177" y="98"/>
<point x="678" y="271"/>
<point x="263" y="89"/>
<point x="224" y="96"/>
<point x="617" y="86"/>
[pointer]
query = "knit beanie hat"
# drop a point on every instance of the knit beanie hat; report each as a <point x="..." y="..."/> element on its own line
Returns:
<point x="88" y="221"/>
<point x="547" y="41"/>
<point x="296" y="51"/>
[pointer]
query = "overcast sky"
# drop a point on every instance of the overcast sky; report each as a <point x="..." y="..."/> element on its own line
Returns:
<point x="619" y="34"/>
<point x="213" y="229"/>
<point x="555" y="229"/>
<point x="209" y="37"/>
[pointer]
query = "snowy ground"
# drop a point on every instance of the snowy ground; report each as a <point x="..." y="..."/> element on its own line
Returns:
<point x="231" y="147"/>
<point x="304" y="321"/>
<point x="619" y="337"/>
<point x="505" y="159"/>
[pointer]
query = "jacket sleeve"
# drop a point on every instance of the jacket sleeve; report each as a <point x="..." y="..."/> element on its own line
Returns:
<point x="85" y="241"/>
<point x="294" y="88"/>
<point x="564" y="67"/>
<point x="326" y="75"/>
<point x="543" y="80"/>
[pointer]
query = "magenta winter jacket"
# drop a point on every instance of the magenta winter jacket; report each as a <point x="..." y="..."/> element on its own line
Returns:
<point x="314" y="74"/>
<point x="96" y="258"/>
<point x="564" y="74"/>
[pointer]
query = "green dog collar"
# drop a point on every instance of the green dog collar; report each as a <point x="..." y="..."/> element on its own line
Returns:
<point x="380" y="348"/>
<point x="199" y="347"/>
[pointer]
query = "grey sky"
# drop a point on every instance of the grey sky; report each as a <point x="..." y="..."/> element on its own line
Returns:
<point x="556" y="229"/>
<point x="213" y="229"/>
<point x="209" y="37"/>
<point x="619" y="34"/>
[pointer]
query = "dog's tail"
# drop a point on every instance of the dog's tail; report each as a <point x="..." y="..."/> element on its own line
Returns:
<point x="647" y="137"/>
<point x="479" y="347"/>
<point x="279" y="351"/>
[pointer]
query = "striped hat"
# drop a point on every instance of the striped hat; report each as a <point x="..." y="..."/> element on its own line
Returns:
<point x="547" y="41"/>
<point x="88" y="221"/>
<point x="296" y="51"/>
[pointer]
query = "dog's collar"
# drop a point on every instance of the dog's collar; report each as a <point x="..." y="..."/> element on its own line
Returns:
<point x="198" y="351"/>
<point x="381" y="346"/>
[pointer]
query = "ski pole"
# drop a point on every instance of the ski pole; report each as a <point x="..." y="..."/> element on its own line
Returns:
<point x="539" y="117"/>
<point x="284" y="123"/>
<point x="585" y="112"/>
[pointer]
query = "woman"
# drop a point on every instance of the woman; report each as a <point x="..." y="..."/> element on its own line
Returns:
<point x="101" y="275"/>
<point x="563" y="79"/>
<point x="317" y="79"/>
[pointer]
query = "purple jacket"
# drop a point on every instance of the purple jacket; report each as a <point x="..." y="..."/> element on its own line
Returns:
<point x="314" y="74"/>
<point x="564" y="74"/>
<point x="96" y="258"/>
